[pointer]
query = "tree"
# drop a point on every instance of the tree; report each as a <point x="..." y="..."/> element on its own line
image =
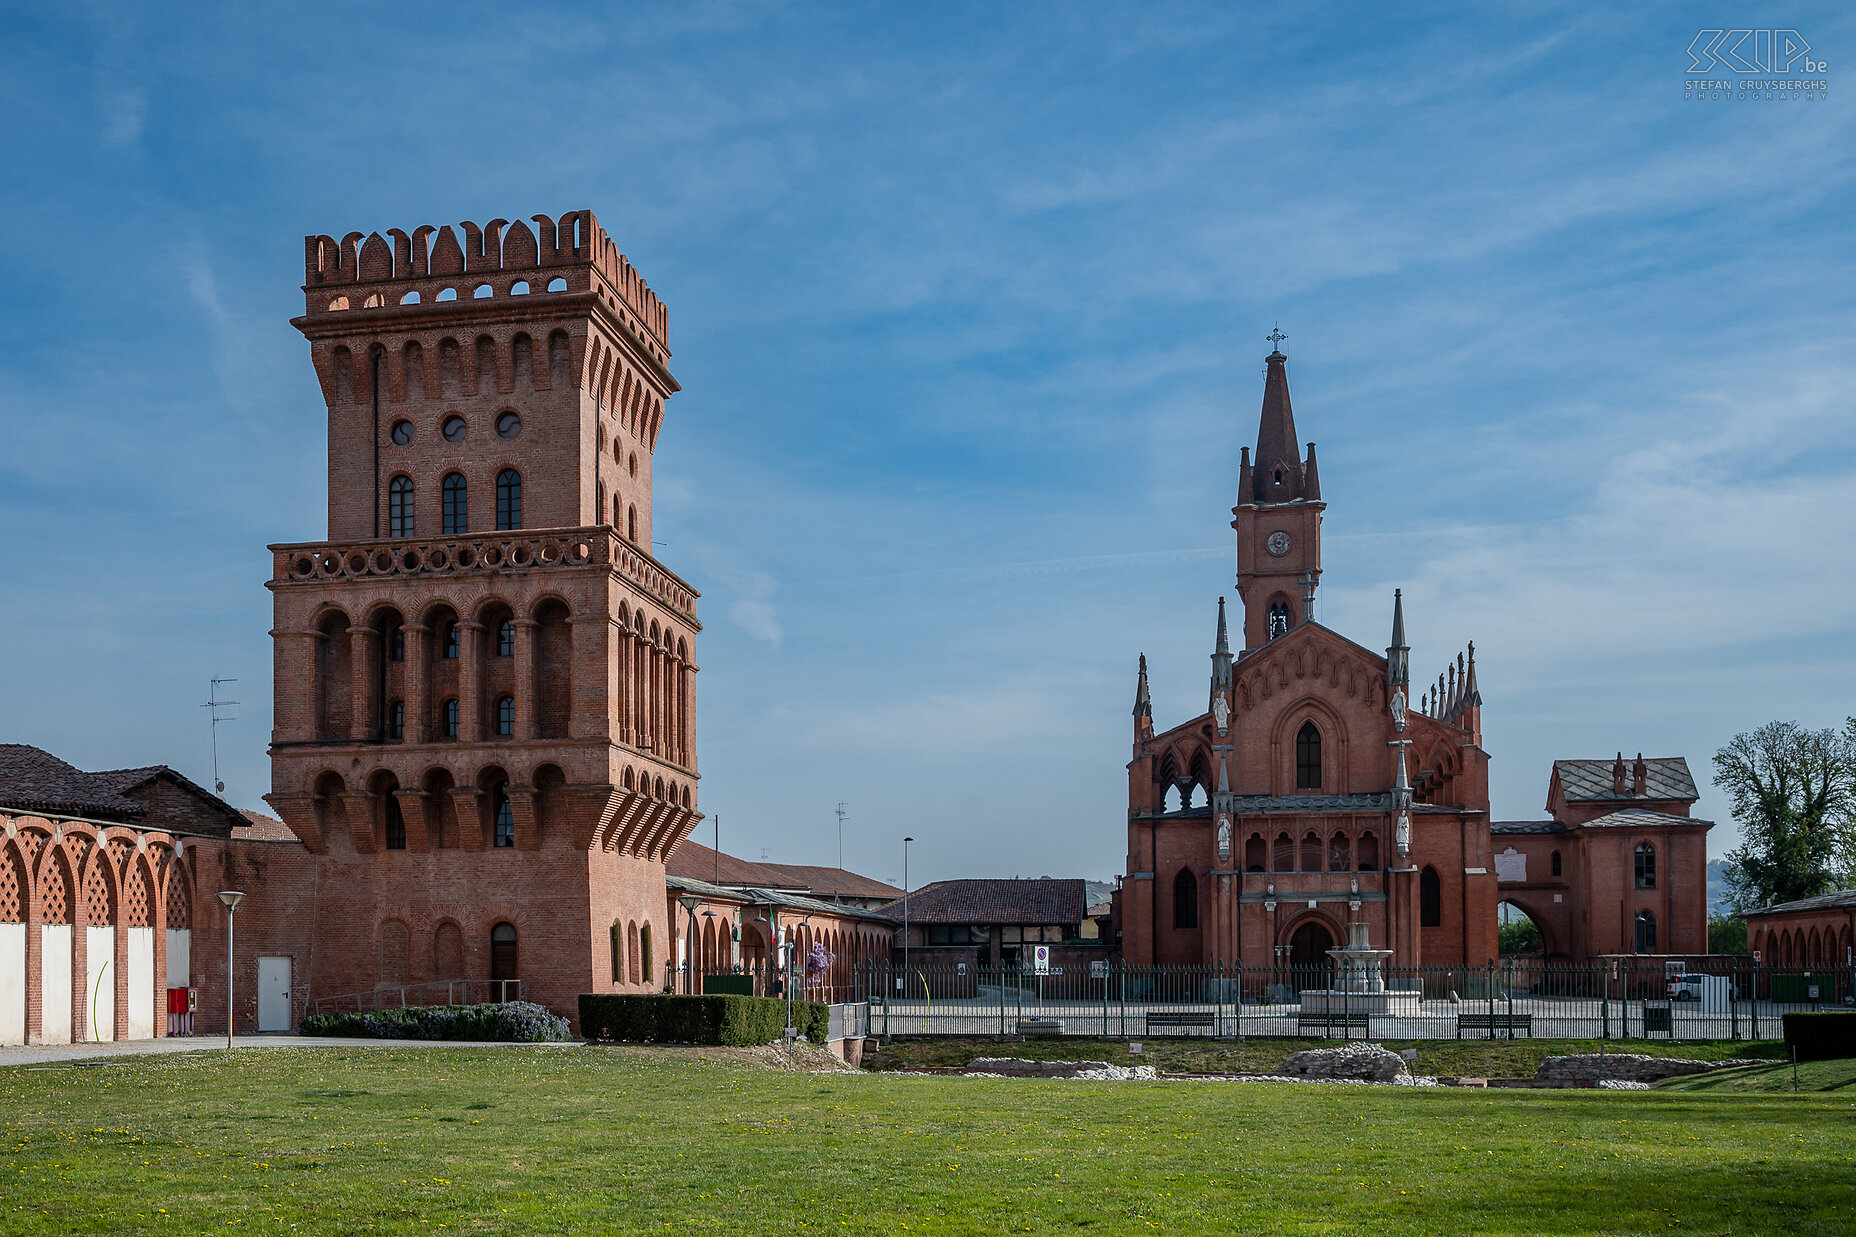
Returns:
<point x="1726" y="934"/>
<point x="1793" y="792"/>
<point x="1518" y="936"/>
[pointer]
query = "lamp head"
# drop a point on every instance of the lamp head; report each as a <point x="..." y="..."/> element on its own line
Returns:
<point x="231" y="897"/>
<point x="689" y="902"/>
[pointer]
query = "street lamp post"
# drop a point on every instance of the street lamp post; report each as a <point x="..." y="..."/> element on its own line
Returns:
<point x="689" y="902"/>
<point x="231" y="897"/>
<point x="905" y="915"/>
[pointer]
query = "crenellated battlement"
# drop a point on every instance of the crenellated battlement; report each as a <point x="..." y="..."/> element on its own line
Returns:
<point x="575" y="240"/>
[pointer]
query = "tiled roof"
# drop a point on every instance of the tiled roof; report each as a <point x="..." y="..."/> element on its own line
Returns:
<point x="32" y="779"/>
<point x="827" y="882"/>
<point x="996" y="900"/>
<point x="1823" y="902"/>
<point x="1588" y="781"/>
<point x="1637" y="818"/>
<point x="703" y="863"/>
<point x="774" y="897"/>
<point x="1291" y="805"/>
<point x="262" y="828"/>
<point x="1526" y="826"/>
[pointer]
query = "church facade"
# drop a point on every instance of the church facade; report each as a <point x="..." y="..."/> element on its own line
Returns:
<point x="1319" y="788"/>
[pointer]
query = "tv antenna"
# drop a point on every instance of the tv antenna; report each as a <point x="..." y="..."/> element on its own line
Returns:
<point x="212" y="706"/>
<point x="840" y="811"/>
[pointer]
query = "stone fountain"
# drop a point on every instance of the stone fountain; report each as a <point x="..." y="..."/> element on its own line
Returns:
<point x="1359" y="982"/>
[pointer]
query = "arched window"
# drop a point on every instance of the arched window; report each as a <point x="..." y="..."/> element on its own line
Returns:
<point x="396" y="823"/>
<point x="503" y="952"/>
<point x="396" y="721"/>
<point x="508" y="499"/>
<point x="456" y="494"/>
<point x="1369" y="852"/>
<point x="1646" y="932"/>
<point x="612" y="935"/>
<point x="396" y="643"/>
<point x="618" y="513"/>
<point x="1308" y="757"/>
<point x="1282" y="854"/>
<point x="1430" y="899"/>
<point x="1185" y="899"/>
<point x="399" y="507"/>
<point x="506" y="638"/>
<point x="451" y="718"/>
<point x="506" y="715"/>
<point x="1253" y="853"/>
<point x="1556" y="863"/>
<point x="448" y="636"/>
<point x="644" y="950"/>
<point x="1279" y="619"/>
<point x="505" y="833"/>
<point x="1646" y="867"/>
<point x="631" y="524"/>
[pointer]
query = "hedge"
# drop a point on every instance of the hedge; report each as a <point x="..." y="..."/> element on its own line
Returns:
<point x="734" y="1020"/>
<point x="520" y="1022"/>
<point x="1827" y="1035"/>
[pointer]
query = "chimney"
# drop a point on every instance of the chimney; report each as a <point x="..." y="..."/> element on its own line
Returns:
<point x="1639" y="776"/>
<point x="1617" y="775"/>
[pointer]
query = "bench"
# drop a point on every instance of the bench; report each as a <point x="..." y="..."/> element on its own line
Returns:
<point x="1182" y="1021"/>
<point x="1040" y="1026"/>
<point x="1331" y="1022"/>
<point x="1510" y="1023"/>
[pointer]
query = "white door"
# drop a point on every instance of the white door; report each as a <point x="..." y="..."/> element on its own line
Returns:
<point x="55" y="983"/>
<point x="12" y="983"/>
<point x="180" y="958"/>
<point x="142" y="983"/>
<point x="100" y="984"/>
<point x="273" y="994"/>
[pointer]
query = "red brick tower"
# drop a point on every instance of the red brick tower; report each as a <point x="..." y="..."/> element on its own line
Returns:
<point x="484" y="681"/>
<point x="1278" y="520"/>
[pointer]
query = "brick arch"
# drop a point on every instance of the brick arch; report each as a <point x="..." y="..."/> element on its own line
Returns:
<point x="15" y="885"/>
<point x="55" y="888"/>
<point x="101" y="892"/>
<point x="449" y="957"/>
<point x="139" y="905"/>
<point x="176" y="893"/>
<point x="1335" y="744"/>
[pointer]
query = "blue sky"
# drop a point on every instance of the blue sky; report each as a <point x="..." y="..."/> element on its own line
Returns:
<point x="968" y="303"/>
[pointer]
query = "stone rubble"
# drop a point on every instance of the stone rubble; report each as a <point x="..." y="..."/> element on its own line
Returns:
<point x="1624" y="1067"/>
<point x="1090" y="1071"/>
<point x="1357" y="1062"/>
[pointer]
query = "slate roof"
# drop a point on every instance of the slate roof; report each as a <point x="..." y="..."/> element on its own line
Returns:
<point x="991" y="900"/>
<point x="32" y="779"/>
<point x="775" y="897"/>
<point x="1589" y="781"/>
<point x="1637" y="817"/>
<point x="1526" y="826"/>
<point x="1823" y="902"/>
<point x="125" y="782"/>
<point x="826" y="882"/>
<point x="262" y="828"/>
<point x="1291" y="805"/>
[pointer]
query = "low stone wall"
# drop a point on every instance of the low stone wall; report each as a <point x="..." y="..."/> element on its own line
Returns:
<point x="1595" y="1067"/>
<point x="1365" y="1062"/>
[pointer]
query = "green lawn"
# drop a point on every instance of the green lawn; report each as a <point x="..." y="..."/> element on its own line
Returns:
<point x="1779" y="1077"/>
<point x="597" y="1140"/>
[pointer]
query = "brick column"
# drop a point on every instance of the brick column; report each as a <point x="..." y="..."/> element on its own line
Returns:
<point x="622" y="710"/>
<point x="421" y="817"/>
<point x="527" y="722"/>
<point x="467" y="802"/>
<point x="363" y="673"/>
<point x="294" y="661"/>
<point x="359" y="805"/>
<point x="416" y="678"/>
<point x="525" y="809"/>
<point x="586" y="705"/>
<point x="470" y="682"/>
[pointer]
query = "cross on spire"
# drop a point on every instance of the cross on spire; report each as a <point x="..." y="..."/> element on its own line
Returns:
<point x="1276" y="336"/>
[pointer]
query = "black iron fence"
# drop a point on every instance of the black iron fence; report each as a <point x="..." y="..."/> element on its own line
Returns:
<point x="1611" y="998"/>
<point x="436" y="992"/>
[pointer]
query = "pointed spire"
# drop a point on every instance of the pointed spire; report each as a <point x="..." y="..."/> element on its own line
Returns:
<point x="1450" y="697"/>
<point x="1278" y="477"/>
<point x="1221" y="657"/>
<point x="1640" y="776"/>
<point x="1398" y="653"/>
<point x="1617" y="775"/>
<point x="1143" y="703"/>
<point x="1311" y="481"/>
<point x="1244" y="481"/>
<point x="1224" y="779"/>
<point x="1472" y="698"/>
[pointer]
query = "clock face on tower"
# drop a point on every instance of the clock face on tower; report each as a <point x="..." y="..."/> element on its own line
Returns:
<point x="1279" y="543"/>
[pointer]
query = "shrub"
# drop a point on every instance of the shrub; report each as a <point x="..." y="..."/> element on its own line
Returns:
<point x="521" y="1022"/>
<point x="713" y="1019"/>
<point x="1827" y="1035"/>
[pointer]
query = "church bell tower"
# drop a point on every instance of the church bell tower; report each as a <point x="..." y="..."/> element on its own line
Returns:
<point x="1277" y="518"/>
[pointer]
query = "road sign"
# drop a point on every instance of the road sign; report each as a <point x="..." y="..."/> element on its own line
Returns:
<point x="1040" y="960"/>
<point x="1756" y="955"/>
<point x="1098" y="969"/>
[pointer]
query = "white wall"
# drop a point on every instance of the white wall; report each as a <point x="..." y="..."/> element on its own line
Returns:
<point x="180" y="960"/>
<point x="142" y="984"/>
<point x="55" y="983"/>
<point x="12" y="983"/>
<point x="98" y="1016"/>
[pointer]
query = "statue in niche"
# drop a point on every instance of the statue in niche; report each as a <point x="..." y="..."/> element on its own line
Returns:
<point x="1398" y="710"/>
<point x="1224" y="839"/>
<point x="1221" y="714"/>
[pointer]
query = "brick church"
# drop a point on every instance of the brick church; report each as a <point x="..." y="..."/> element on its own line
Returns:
<point x="1320" y="787"/>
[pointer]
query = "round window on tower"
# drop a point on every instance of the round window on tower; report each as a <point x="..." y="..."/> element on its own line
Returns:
<point x="453" y="429"/>
<point x="508" y="425"/>
<point x="402" y="432"/>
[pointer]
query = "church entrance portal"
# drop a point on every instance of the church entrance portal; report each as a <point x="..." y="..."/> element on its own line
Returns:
<point x="1309" y="965"/>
